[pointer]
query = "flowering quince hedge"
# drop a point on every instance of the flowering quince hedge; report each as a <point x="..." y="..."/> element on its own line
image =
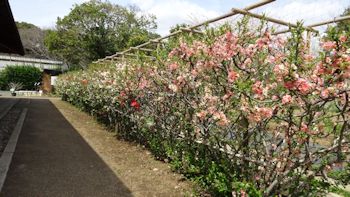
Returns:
<point x="238" y="110"/>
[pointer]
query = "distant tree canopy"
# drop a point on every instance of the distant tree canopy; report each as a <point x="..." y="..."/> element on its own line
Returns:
<point x="97" y="28"/>
<point x="33" y="40"/>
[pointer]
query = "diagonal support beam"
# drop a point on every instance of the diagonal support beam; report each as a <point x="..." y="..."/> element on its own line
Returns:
<point x="335" y="20"/>
<point x="277" y="21"/>
<point x="193" y="28"/>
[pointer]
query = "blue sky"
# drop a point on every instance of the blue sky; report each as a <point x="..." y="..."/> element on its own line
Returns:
<point x="44" y="13"/>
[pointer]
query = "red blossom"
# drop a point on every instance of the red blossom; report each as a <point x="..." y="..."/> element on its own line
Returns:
<point x="135" y="104"/>
<point x="84" y="82"/>
<point x="289" y="85"/>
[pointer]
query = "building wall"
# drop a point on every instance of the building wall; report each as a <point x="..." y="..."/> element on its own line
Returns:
<point x="39" y="63"/>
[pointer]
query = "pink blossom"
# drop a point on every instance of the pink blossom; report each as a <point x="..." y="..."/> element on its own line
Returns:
<point x="286" y="99"/>
<point x="211" y="100"/>
<point x="304" y="127"/>
<point x="280" y="69"/>
<point x="257" y="88"/>
<point x="201" y="115"/>
<point x="281" y="41"/>
<point x="260" y="113"/>
<point x="188" y="51"/>
<point x="340" y="85"/>
<point x="308" y="57"/>
<point x="232" y="76"/>
<point x="319" y="69"/>
<point x="265" y="112"/>
<point x="329" y="45"/>
<point x="246" y="62"/>
<point x="180" y="79"/>
<point x="271" y="59"/>
<point x="222" y="119"/>
<point x="173" y="66"/>
<point x="303" y="85"/>
<point x="343" y="38"/>
<point x="248" y="51"/>
<point x="324" y="93"/>
<point x="262" y="42"/>
<point x="317" y="80"/>
<point x="173" y="87"/>
<point x="227" y="96"/>
<point x="194" y="73"/>
<point x="143" y="84"/>
<point x="347" y="73"/>
<point x="328" y="60"/>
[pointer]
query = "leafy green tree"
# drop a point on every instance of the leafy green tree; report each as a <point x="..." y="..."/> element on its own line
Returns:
<point x="28" y="76"/>
<point x="97" y="28"/>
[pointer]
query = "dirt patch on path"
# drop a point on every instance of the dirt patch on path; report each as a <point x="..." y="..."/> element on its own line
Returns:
<point x="133" y="165"/>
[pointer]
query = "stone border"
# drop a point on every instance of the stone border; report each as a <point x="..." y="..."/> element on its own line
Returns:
<point x="6" y="157"/>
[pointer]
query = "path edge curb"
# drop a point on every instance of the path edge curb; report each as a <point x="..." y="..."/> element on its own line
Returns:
<point x="6" y="157"/>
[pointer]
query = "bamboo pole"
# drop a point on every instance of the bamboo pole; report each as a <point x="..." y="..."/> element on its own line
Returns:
<point x="277" y="21"/>
<point x="343" y="18"/>
<point x="253" y="6"/>
<point x="141" y="49"/>
<point x="258" y="4"/>
<point x="308" y="41"/>
<point x="261" y="3"/>
<point x="330" y="21"/>
<point x="258" y="16"/>
<point x="134" y="55"/>
<point x="191" y="30"/>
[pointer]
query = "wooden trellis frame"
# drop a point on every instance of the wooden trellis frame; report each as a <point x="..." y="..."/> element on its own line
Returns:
<point x="234" y="11"/>
<point x="335" y="20"/>
<point x="277" y="21"/>
<point x="191" y="29"/>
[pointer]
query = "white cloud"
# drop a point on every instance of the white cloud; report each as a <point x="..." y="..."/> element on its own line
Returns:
<point x="305" y="10"/>
<point x="170" y="13"/>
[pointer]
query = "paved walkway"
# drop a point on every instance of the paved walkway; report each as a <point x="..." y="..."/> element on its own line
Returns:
<point x="52" y="159"/>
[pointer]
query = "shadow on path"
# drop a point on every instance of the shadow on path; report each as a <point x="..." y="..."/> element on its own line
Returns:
<point x="52" y="159"/>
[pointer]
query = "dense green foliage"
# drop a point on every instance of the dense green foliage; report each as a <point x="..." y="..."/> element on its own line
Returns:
<point x="26" y="75"/>
<point x="96" y="29"/>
